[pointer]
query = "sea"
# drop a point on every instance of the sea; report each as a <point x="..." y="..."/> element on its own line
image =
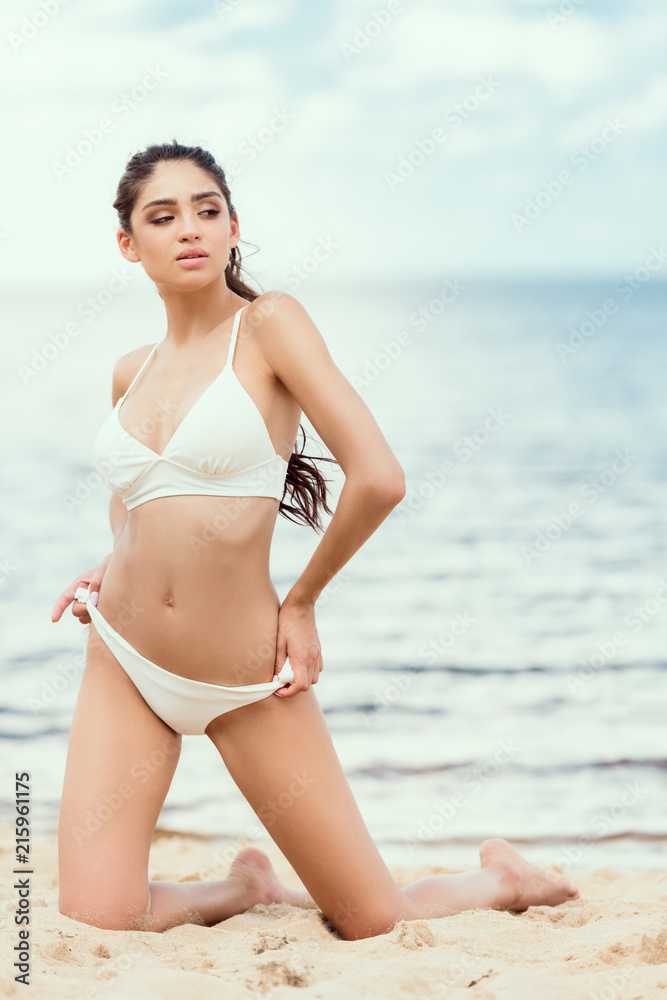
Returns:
<point x="495" y="653"/>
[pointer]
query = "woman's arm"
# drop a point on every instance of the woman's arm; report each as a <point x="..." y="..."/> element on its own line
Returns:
<point x="92" y="579"/>
<point x="360" y="510"/>
<point x="374" y="479"/>
<point x="124" y="371"/>
<point x="122" y="376"/>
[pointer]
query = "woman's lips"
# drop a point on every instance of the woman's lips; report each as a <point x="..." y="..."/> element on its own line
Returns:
<point x="191" y="261"/>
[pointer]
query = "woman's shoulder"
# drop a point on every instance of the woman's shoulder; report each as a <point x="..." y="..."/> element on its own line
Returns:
<point x="275" y="298"/>
<point x="275" y="308"/>
<point x="125" y="370"/>
<point x="286" y="333"/>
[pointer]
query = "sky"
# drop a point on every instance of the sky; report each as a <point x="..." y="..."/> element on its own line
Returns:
<point x="413" y="139"/>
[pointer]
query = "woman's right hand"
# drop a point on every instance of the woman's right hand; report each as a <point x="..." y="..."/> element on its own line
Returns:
<point x="92" y="581"/>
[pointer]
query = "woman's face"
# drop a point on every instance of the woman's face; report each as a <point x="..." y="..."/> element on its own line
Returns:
<point x="163" y="232"/>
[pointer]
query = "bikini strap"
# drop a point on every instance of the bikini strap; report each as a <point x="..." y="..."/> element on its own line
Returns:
<point x="235" y="332"/>
<point x="131" y="385"/>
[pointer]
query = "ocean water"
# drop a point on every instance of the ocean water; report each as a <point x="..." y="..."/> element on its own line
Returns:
<point x="495" y="653"/>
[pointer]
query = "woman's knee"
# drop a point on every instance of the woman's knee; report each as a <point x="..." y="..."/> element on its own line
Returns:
<point x="112" y="916"/>
<point x="354" y="922"/>
<point x="354" y="919"/>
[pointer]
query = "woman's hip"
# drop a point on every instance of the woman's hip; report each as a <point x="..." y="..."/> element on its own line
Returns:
<point x="219" y="631"/>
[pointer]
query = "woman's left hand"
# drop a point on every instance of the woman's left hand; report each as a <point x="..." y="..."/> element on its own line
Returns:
<point x="298" y="640"/>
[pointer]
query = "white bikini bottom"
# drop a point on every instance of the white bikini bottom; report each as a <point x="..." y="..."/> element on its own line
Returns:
<point x="184" y="704"/>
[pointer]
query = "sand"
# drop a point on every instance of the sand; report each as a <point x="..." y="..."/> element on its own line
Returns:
<point x="610" y="944"/>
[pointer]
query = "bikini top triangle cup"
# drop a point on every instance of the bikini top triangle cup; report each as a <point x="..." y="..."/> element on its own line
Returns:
<point x="222" y="447"/>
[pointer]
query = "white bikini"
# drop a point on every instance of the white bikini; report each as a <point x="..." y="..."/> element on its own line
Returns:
<point x="222" y="447"/>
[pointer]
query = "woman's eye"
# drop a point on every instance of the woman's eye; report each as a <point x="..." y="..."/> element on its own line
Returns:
<point x="165" y="218"/>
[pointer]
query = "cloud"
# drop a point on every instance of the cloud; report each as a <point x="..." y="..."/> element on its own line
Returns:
<point x="353" y="119"/>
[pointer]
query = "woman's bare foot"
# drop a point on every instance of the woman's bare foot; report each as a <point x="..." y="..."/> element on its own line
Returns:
<point x="253" y="868"/>
<point x="524" y="884"/>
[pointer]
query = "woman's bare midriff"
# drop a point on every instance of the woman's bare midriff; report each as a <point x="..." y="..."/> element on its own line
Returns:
<point x="188" y="586"/>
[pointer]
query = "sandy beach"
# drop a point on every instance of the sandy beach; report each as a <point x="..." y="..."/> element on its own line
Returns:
<point x="610" y="944"/>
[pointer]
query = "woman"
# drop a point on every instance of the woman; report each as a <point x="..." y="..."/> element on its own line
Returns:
<point x="188" y="634"/>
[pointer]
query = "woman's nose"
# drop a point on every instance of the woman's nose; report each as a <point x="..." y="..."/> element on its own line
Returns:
<point x="190" y="229"/>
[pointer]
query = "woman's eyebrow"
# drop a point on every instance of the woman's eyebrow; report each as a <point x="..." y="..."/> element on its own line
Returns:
<point x="172" y="201"/>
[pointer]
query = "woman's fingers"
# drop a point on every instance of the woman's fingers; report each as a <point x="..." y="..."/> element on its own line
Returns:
<point x="63" y="601"/>
<point x="93" y="597"/>
<point x="305" y="674"/>
<point x="91" y="581"/>
<point x="94" y="590"/>
<point x="300" y="682"/>
<point x="79" y="609"/>
<point x="66" y="598"/>
<point x="315" y="665"/>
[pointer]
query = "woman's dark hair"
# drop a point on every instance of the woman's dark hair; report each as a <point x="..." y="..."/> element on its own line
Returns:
<point x="304" y="483"/>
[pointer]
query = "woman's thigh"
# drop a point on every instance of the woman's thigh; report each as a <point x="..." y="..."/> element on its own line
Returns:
<point x="281" y="755"/>
<point x="121" y="758"/>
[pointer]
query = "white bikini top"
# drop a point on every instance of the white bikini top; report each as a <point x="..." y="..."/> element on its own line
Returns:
<point x="222" y="447"/>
